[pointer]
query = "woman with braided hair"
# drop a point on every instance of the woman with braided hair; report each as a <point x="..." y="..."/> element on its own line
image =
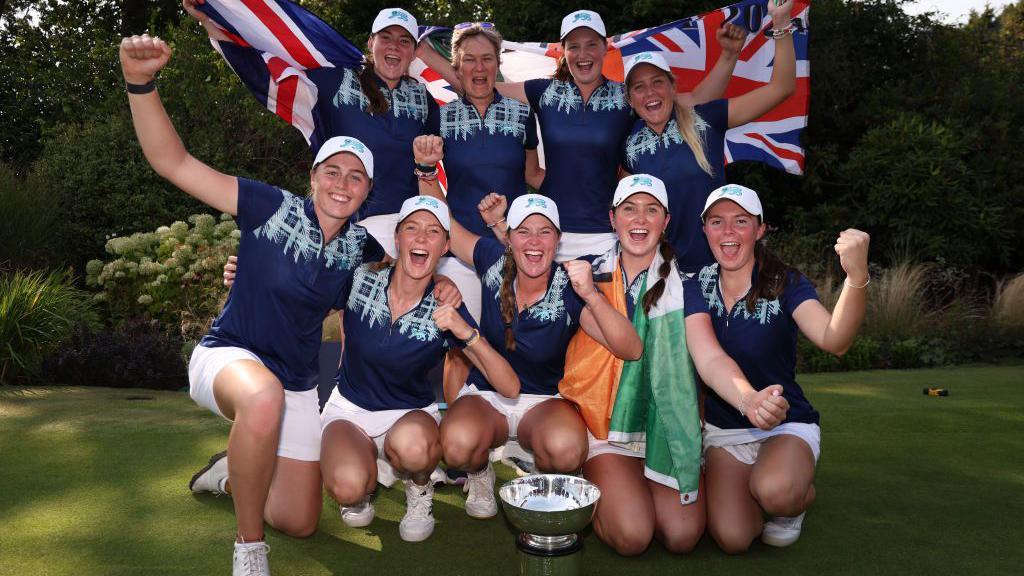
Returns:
<point x="530" y="308"/>
<point x="638" y="274"/>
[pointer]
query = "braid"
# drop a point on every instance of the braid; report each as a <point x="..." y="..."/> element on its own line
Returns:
<point x="368" y="83"/>
<point x="508" y="298"/>
<point x="655" y="291"/>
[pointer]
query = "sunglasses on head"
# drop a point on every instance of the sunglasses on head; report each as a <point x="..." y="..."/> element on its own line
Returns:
<point x="463" y="25"/>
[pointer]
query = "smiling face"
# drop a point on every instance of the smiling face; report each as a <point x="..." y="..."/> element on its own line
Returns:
<point x="732" y="233"/>
<point x="651" y="93"/>
<point x="533" y="245"/>
<point x="421" y="242"/>
<point x="392" y="50"/>
<point x="477" y="66"/>
<point x="584" y="53"/>
<point x="639" y="221"/>
<point x="339" y="185"/>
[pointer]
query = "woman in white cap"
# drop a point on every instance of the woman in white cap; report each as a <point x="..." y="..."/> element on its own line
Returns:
<point x="257" y="365"/>
<point x="584" y="119"/>
<point x="639" y="276"/>
<point x="752" y="305"/>
<point x="382" y="415"/>
<point x="684" y="144"/>
<point x="530" y="309"/>
<point x="369" y="97"/>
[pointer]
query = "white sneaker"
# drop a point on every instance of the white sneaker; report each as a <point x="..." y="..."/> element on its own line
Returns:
<point x="250" y="559"/>
<point x="211" y="478"/>
<point x="358" y="516"/>
<point x="782" y="531"/>
<point x="418" y="523"/>
<point x="480" y="502"/>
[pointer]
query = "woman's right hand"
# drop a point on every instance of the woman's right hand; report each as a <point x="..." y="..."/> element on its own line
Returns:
<point x="142" y="57"/>
<point x="766" y="408"/>
<point x="190" y="7"/>
<point x="492" y="208"/>
<point x="230" y="269"/>
<point x="428" y="149"/>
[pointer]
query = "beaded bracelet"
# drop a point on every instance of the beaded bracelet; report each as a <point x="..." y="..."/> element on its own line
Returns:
<point x="495" y="223"/>
<point x="864" y="285"/>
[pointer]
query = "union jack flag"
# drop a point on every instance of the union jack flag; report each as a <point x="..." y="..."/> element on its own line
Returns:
<point x="275" y="42"/>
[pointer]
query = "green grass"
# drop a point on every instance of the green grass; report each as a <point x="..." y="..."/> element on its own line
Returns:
<point x="93" y="481"/>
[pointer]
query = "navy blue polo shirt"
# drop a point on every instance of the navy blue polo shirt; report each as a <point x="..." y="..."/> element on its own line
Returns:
<point x="287" y="282"/>
<point x="632" y="289"/>
<point x="582" y="143"/>
<point x="484" y="155"/>
<point x="670" y="158"/>
<point x="542" y="331"/>
<point x="385" y="364"/>
<point x="341" y="111"/>
<point x="762" y="342"/>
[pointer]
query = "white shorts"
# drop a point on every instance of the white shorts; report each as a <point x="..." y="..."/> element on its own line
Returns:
<point x="573" y="245"/>
<point x="598" y="447"/>
<point x="513" y="409"/>
<point x="374" y="423"/>
<point x="745" y="443"/>
<point x="300" y="429"/>
<point x="465" y="280"/>
<point x="382" y="228"/>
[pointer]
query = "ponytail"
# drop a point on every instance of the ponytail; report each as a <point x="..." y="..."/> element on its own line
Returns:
<point x="772" y="275"/>
<point x="658" y="288"/>
<point x="686" y="119"/>
<point x="368" y="83"/>
<point x="508" y="298"/>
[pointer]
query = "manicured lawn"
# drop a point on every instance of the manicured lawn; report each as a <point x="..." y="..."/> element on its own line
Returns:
<point x="94" y="481"/>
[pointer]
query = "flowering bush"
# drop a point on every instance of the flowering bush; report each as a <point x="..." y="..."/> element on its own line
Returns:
<point x="171" y="275"/>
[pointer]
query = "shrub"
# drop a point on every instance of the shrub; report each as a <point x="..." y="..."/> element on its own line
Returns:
<point x="27" y="230"/>
<point x="171" y="275"/>
<point x="898" y="304"/>
<point x="138" y="354"/>
<point x="1008" y="304"/>
<point x="38" y="311"/>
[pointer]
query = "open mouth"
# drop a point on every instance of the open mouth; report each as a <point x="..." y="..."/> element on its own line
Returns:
<point x="730" y="248"/>
<point x="639" y="234"/>
<point x="339" y="198"/>
<point x="392" y="60"/>
<point x="585" y="66"/>
<point x="533" y="256"/>
<point x="480" y="81"/>
<point x="652" y="105"/>
<point x="419" y="257"/>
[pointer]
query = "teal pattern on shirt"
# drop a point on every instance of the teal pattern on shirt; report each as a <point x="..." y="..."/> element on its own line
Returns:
<point x="407" y="99"/>
<point x="369" y="299"/>
<point x="302" y="239"/>
<point x="507" y="117"/>
<point x="764" y="310"/>
<point x="647" y="141"/>
<point x="566" y="97"/>
<point x="549" y="308"/>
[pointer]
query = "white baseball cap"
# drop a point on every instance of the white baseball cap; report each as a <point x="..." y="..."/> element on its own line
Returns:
<point x="396" y="17"/>
<point x="652" y="58"/>
<point x="587" y="18"/>
<point x="745" y="197"/>
<point x="430" y="204"/>
<point x="528" y="204"/>
<point x="640" y="184"/>
<point x="346" y="144"/>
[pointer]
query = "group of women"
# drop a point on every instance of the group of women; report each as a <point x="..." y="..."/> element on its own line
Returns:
<point x="633" y="183"/>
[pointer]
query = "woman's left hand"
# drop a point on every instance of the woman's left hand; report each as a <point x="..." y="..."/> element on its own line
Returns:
<point x="767" y="408"/>
<point x="446" y="292"/>
<point x="448" y="318"/>
<point x="852" y="248"/>
<point x="780" y="12"/>
<point x="581" y="276"/>
<point x="731" y="38"/>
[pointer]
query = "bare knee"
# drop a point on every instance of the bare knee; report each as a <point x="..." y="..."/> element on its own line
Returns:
<point x="296" y="525"/>
<point x="348" y="485"/>
<point x="626" y="537"/>
<point x="681" y="537"/>
<point x="560" y="453"/>
<point x="779" y="496"/>
<point x="732" y="540"/>
<point x="414" y="454"/>
<point x="260" y="413"/>
<point x="460" y="447"/>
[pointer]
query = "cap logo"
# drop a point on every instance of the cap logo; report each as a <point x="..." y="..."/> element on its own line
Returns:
<point x="427" y="201"/>
<point x="644" y="57"/>
<point x="581" y="17"/>
<point x="353" y="144"/>
<point x="538" y="202"/>
<point x="731" y="191"/>
<point x="641" y="181"/>
<point x="399" y="15"/>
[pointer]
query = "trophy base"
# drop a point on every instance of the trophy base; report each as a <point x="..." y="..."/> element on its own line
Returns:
<point x="549" y="555"/>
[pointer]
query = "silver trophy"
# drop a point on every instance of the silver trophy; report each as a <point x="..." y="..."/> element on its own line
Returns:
<point x="549" y="509"/>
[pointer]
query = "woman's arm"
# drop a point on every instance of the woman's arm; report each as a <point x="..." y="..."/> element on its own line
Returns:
<point x="600" y="320"/>
<point x="835" y="332"/>
<point x="730" y="37"/>
<point x="141" y="58"/>
<point x="212" y="31"/>
<point x="429" y="150"/>
<point x="492" y="211"/>
<point x="754" y="104"/>
<point x="493" y="365"/>
<point x="534" y="173"/>
<point x="764" y="409"/>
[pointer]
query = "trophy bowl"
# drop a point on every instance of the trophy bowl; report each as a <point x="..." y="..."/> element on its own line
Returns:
<point x="549" y="504"/>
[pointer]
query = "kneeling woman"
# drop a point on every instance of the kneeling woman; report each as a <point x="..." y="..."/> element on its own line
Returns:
<point x="753" y="305"/>
<point x="530" y="309"/>
<point x="642" y="499"/>
<point x="382" y="416"/>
